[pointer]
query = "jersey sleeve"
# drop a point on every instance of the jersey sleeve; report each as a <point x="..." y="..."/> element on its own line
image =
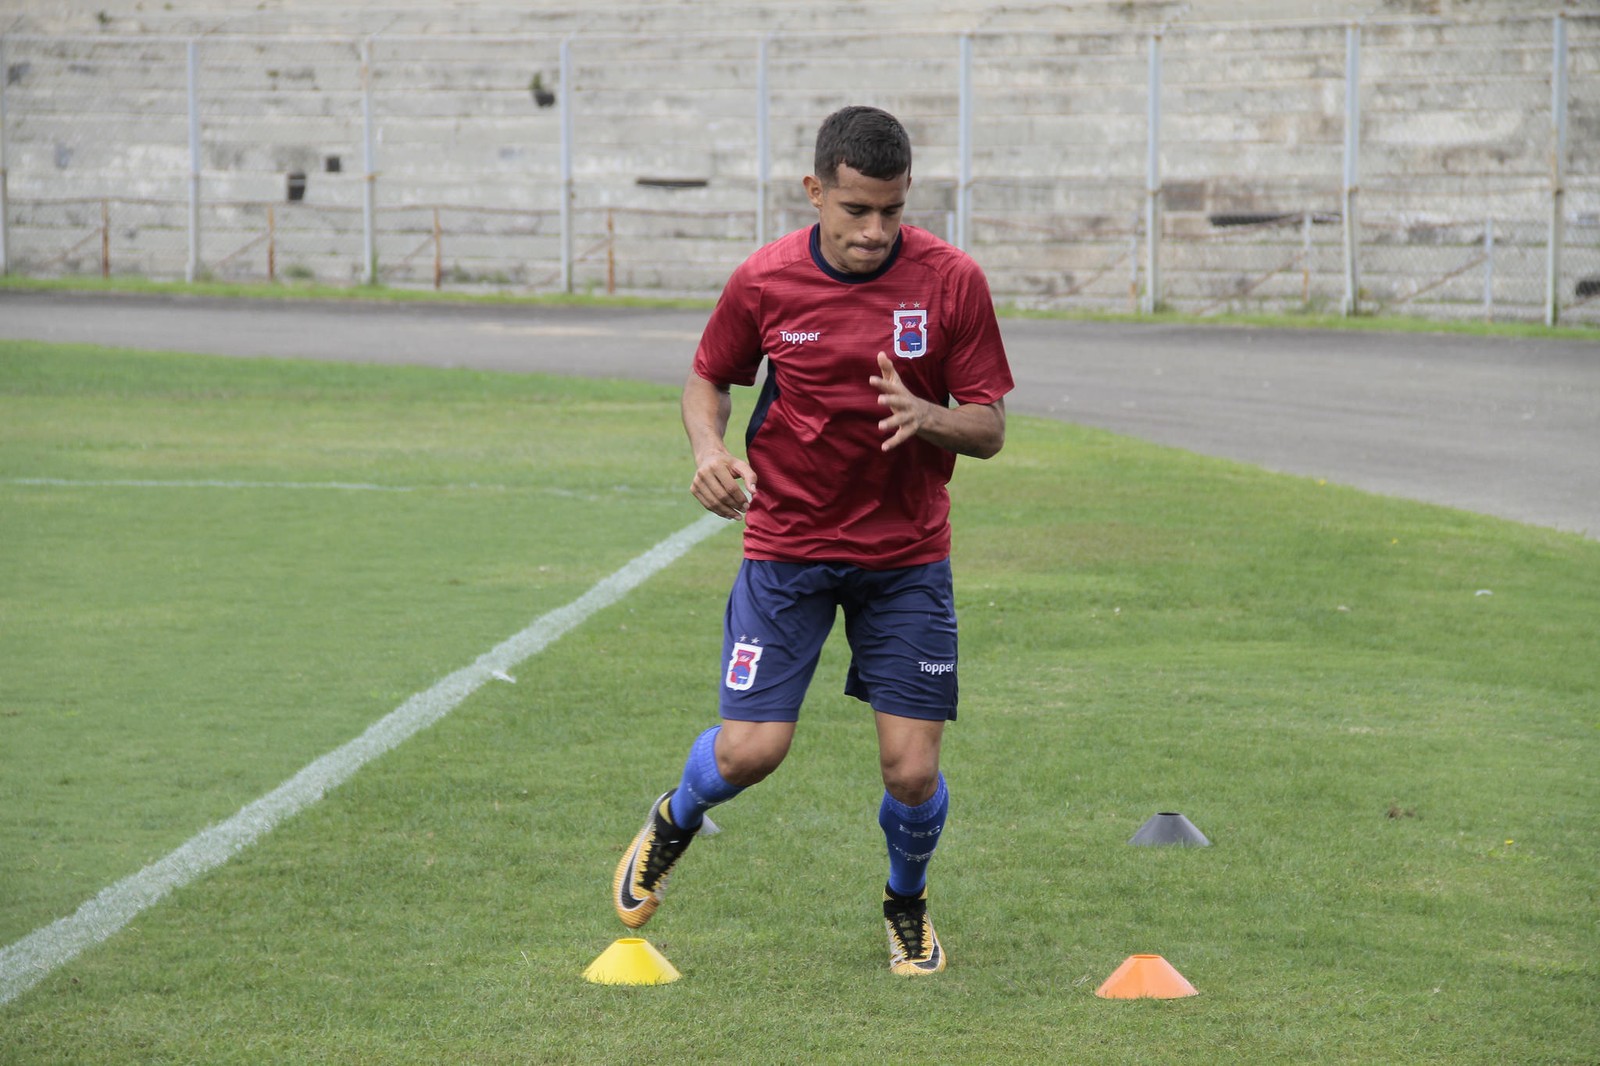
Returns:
<point x="730" y="347"/>
<point x="976" y="370"/>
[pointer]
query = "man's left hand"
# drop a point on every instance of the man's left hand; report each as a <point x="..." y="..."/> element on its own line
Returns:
<point x="907" y="413"/>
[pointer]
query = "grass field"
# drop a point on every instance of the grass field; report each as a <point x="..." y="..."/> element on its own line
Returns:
<point x="1384" y="715"/>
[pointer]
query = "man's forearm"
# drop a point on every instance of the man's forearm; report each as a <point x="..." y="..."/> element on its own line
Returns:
<point x="974" y="429"/>
<point x="706" y="410"/>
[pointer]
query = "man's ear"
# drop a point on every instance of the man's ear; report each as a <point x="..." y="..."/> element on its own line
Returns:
<point x="813" y="190"/>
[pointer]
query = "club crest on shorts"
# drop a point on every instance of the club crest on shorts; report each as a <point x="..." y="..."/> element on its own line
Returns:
<point x="911" y="333"/>
<point x="742" y="667"/>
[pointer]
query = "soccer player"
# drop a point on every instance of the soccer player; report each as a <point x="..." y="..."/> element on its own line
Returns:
<point x="885" y="362"/>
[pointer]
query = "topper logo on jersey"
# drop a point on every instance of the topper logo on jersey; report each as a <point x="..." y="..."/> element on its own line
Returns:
<point x="792" y="337"/>
<point x="911" y="333"/>
<point x="742" y="666"/>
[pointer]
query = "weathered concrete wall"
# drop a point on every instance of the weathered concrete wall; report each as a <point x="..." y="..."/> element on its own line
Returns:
<point x="1455" y="133"/>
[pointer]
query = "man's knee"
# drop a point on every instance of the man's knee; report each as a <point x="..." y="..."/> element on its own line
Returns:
<point x="911" y="782"/>
<point x="748" y="751"/>
<point x="908" y="752"/>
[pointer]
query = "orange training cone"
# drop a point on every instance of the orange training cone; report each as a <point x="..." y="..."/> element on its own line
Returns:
<point x="631" y="961"/>
<point x="1146" y="977"/>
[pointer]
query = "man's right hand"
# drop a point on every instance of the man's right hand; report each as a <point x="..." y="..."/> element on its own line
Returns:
<point x="716" y="485"/>
<point x="716" y="472"/>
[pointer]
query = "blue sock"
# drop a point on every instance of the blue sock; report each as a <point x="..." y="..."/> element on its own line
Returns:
<point x="912" y="834"/>
<point x="702" y="786"/>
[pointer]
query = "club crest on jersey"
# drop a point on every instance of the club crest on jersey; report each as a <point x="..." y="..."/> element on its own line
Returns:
<point x="742" y="667"/>
<point x="911" y="333"/>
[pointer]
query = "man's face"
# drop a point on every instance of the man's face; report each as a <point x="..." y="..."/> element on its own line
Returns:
<point x="860" y="218"/>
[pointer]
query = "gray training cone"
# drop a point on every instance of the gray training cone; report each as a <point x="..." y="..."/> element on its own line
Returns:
<point x="1170" y="827"/>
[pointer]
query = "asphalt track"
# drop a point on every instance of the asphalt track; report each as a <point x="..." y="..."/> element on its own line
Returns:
<point x="1503" y="427"/>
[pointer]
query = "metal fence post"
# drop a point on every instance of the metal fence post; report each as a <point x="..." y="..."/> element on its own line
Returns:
<point x="963" y="232"/>
<point x="566" y="164"/>
<point x="763" y="141"/>
<point x="1352" y="168"/>
<point x="1305" y="261"/>
<point x="1488" y="269"/>
<point x="5" y="207"/>
<point x="1558" y="168"/>
<point x="369" y="189"/>
<point x="1133" y="266"/>
<point x="193" y="55"/>
<point x="1152" y="179"/>
<point x="438" y="252"/>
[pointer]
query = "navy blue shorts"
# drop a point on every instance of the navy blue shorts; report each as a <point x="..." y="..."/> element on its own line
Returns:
<point x="901" y="625"/>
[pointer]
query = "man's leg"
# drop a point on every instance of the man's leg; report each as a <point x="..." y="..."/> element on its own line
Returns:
<point x="777" y="618"/>
<point x="915" y="800"/>
<point x="915" y="803"/>
<point x="901" y="625"/>
<point x="724" y="761"/>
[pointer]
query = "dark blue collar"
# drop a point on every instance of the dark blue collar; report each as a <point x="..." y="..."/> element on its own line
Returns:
<point x="851" y="279"/>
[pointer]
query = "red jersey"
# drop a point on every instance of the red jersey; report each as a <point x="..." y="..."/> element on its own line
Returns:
<point x="825" y="489"/>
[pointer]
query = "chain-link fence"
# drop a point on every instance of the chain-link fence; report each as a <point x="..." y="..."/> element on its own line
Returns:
<point x="1443" y="167"/>
<point x="1258" y="221"/>
<point x="1456" y="152"/>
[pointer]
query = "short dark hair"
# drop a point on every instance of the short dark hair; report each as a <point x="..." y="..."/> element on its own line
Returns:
<point x="867" y="139"/>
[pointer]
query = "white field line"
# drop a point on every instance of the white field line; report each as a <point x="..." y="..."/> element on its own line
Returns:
<point x="31" y="959"/>
<point x="73" y="483"/>
<point x="344" y="486"/>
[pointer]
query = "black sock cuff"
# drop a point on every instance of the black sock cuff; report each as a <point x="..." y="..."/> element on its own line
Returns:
<point x="897" y="897"/>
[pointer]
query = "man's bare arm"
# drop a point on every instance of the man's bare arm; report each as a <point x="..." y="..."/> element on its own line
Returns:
<point x="975" y="429"/>
<point x="717" y="472"/>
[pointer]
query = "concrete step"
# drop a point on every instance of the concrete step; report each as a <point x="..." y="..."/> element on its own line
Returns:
<point x="499" y="16"/>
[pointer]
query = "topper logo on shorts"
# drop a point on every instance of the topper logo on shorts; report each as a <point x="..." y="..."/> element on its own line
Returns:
<point x="793" y="337"/>
<point x="935" y="668"/>
<point x="742" y="666"/>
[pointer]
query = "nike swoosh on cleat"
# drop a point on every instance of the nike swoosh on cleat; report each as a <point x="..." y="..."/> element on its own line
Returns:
<point x="625" y="898"/>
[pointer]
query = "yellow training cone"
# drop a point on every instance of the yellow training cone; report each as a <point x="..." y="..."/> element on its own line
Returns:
<point x="631" y="961"/>
<point x="1145" y="977"/>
